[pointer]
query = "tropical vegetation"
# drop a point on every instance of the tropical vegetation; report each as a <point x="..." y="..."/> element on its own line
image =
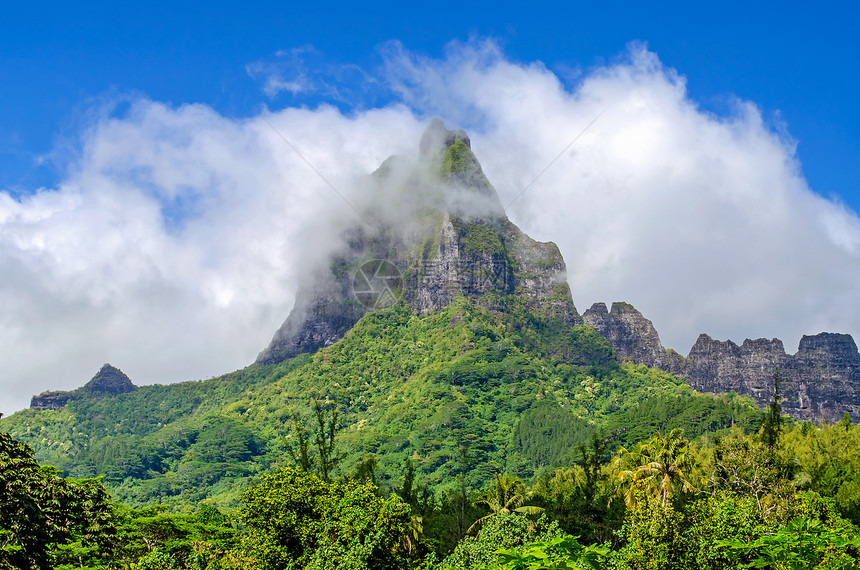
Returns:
<point x="470" y="437"/>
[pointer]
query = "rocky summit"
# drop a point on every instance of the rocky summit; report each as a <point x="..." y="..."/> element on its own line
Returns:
<point x="820" y="381"/>
<point x="447" y="236"/>
<point x="108" y="381"/>
<point x="632" y="336"/>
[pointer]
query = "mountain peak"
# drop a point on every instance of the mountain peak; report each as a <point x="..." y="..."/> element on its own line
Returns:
<point x="436" y="139"/>
<point x="450" y="238"/>
<point x="110" y="380"/>
<point x="468" y="192"/>
<point x="631" y="335"/>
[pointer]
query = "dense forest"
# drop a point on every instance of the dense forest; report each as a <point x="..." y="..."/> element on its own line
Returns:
<point x="780" y="498"/>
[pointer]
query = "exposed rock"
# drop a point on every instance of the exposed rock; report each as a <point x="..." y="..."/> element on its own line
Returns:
<point x="631" y="336"/>
<point x="541" y="278"/>
<point x="322" y="315"/>
<point x="109" y="380"/>
<point x="825" y="376"/>
<point x="715" y="366"/>
<point x="821" y="381"/>
<point x="456" y="240"/>
<point x="51" y="400"/>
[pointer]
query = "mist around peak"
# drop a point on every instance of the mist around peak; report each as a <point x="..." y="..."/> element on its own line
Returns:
<point x="432" y="230"/>
<point x="442" y="176"/>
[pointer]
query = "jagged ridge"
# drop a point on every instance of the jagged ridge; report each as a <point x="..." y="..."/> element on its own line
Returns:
<point x="820" y="381"/>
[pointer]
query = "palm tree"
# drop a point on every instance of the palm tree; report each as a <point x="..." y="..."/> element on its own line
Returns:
<point x="413" y="532"/>
<point x="660" y="467"/>
<point x="506" y="496"/>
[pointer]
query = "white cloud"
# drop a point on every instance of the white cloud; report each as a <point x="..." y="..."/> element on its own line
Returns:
<point x="173" y="247"/>
<point x="287" y="72"/>
<point x="704" y="223"/>
<point x="304" y="71"/>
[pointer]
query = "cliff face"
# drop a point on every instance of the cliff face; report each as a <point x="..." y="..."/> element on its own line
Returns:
<point x="822" y="380"/>
<point x="51" y="400"/>
<point x="715" y="366"/>
<point x="632" y="336"/>
<point x="826" y="374"/>
<point x="321" y="316"/>
<point x="449" y="236"/>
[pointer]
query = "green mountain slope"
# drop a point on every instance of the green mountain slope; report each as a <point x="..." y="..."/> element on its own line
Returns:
<point x="515" y="394"/>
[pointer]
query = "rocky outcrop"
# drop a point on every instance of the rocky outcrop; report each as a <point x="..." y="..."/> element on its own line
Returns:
<point x="324" y="311"/>
<point x="541" y="278"/>
<point x="477" y="257"/>
<point x="825" y="375"/>
<point x="108" y="381"/>
<point x="631" y="335"/>
<point x="820" y="381"/>
<point x="723" y="366"/>
<point x="51" y="400"/>
<point x="449" y="237"/>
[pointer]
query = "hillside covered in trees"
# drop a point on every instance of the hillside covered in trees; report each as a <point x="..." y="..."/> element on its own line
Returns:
<point x="455" y="392"/>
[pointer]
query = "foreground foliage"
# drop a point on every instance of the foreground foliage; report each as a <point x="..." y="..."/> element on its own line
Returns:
<point x="296" y="520"/>
<point x="560" y="553"/>
<point x="748" y="511"/>
<point x="43" y="516"/>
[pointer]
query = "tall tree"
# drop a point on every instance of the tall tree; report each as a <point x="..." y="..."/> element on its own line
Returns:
<point x="507" y="495"/>
<point x="845" y="422"/>
<point x="590" y="461"/>
<point x="771" y="428"/>
<point x="40" y="511"/>
<point x="325" y="440"/>
<point x="660" y="467"/>
<point x="294" y="519"/>
<point x="746" y="466"/>
<point x="466" y="463"/>
<point x="410" y="496"/>
<point x="300" y="452"/>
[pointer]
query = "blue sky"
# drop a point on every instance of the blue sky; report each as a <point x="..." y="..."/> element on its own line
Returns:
<point x="151" y="217"/>
<point x="797" y="61"/>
